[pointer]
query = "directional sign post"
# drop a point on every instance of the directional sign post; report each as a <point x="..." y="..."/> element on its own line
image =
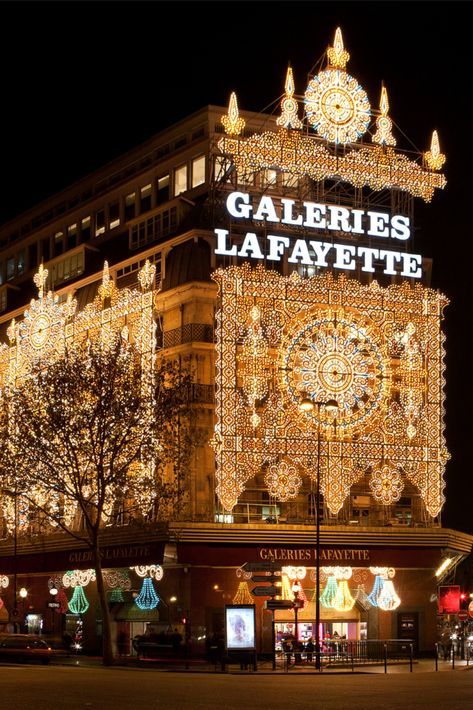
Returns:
<point x="269" y="578"/>
<point x="264" y="566"/>
<point x="278" y="604"/>
<point x="268" y="591"/>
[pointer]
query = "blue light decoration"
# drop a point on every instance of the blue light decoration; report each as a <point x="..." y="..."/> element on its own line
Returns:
<point x="373" y="596"/>
<point x="78" y="603"/>
<point x="328" y="595"/>
<point x="147" y="598"/>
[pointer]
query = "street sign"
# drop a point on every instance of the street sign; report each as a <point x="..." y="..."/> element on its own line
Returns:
<point x="264" y="566"/>
<point x="278" y="604"/>
<point x="270" y="578"/>
<point x="462" y="615"/>
<point x="54" y="605"/>
<point x="268" y="591"/>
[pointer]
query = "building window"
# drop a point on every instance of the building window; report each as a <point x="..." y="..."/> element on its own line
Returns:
<point x="154" y="228"/>
<point x="21" y="262"/>
<point x="45" y="249"/>
<point x="130" y="206"/>
<point x="58" y="243"/>
<point x="114" y="215"/>
<point x="72" y="236"/>
<point x="145" y="198"/>
<point x="3" y="300"/>
<point x="1" y="274"/>
<point x="33" y="256"/>
<point x="289" y="180"/>
<point x="221" y="166"/>
<point x="85" y="229"/>
<point x="69" y="267"/>
<point x="99" y="223"/>
<point x="268" y="178"/>
<point x="180" y="180"/>
<point x="198" y="171"/>
<point x="10" y="268"/>
<point x="163" y="189"/>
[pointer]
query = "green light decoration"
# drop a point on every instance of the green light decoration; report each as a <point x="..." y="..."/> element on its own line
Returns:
<point x="116" y="595"/>
<point x="78" y="603"/>
<point x="328" y="595"/>
<point x="147" y="598"/>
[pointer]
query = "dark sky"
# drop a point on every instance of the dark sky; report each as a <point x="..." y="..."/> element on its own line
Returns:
<point x="82" y="82"/>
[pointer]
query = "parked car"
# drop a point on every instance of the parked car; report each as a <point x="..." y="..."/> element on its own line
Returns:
<point x="24" y="647"/>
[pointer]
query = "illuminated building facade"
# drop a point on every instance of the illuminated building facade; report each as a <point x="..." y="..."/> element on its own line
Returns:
<point x="273" y="253"/>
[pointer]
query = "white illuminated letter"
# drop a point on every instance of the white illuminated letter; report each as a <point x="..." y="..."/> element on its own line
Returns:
<point x="400" y="227"/>
<point x="391" y="257"/>
<point x="378" y="222"/>
<point x="344" y="253"/>
<point x="321" y="250"/>
<point x="222" y="235"/>
<point x="313" y="215"/>
<point x="266" y="210"/>
<point x="238" y="204"/>
<point x="369" y="255"/>
<point x="357" y="216"/>
<point x="277" y="246"/>
<point x="339" y="219"/>
<point x="287" y="215"/>
<point x="300" y="253"/>
<point x="411" y="265"/>
<point x="251" y="247"/>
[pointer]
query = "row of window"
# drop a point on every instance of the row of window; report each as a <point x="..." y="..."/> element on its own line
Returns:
<point x="183" y="177"/>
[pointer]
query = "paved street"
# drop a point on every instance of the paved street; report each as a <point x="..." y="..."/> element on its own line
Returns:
<point x="29" y="687"/>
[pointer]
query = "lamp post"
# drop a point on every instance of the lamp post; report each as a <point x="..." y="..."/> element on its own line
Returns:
<point x="331" y="407"/>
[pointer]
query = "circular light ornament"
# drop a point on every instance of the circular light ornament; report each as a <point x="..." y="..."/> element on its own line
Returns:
<point x="340" y="356"/>
<point x="337" y="107"/>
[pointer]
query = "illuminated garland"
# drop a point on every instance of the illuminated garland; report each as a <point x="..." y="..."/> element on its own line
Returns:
<point x="243" y="594"/>
<point x="329" y="593"/>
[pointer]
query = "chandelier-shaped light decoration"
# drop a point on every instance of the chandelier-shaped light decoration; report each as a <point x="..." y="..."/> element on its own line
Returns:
<point x="378" y="585"/>
<point x="343" y="600"/>
<point x="294" y="572"/>
<point x="243" y="594"/>
<point x="434" y="158"/>
<point x="4" y="581"/>
<point x="384" y="135"/>
<point x="116" y="595"/>
<point x="388" y="598"/>
<point x="288" y="117"/>
<point x="329" y="592"/>
<point x="78" y="603"/>
<point x="147" y="598"/>
<point x="233" y="122"/>
<point x="62" y="600"/>
<point x="154" y="571"/>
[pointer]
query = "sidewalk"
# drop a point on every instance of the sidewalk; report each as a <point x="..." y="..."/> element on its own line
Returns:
<point x="197" y="665"/>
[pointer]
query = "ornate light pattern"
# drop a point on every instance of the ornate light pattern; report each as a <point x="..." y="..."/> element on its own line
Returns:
<point x="373" y="596"/>
<point x="386" y="484"/>
<point x="78" y="603"/>
<point x="339" y="110"/>
<point x="147" y="598"/>
<point x="4" y="581"/>
<point x="155" y="571"/>
<point x="434" y="158"/>
<point x="332" y="338"/>
<point x="232" y="122"/>
<point x="288" y="117"/>
<point x="384" y="125"/>
<point x="116" y="578"/>
<point x="283" y="481"/>
<point x="78" y="577"/>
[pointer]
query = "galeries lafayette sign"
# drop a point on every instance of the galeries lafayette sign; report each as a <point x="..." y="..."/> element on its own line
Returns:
<point x="318" y="253"/>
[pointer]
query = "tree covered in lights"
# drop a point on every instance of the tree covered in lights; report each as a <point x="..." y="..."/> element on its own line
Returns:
<point x="92" y="435"/>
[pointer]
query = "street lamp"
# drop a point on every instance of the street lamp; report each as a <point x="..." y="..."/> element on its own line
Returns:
<point x="296" y="588"/>
<point x="331" y="407"/>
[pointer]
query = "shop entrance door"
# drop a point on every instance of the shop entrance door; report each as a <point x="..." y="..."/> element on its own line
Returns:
<point x="408" y="628"/>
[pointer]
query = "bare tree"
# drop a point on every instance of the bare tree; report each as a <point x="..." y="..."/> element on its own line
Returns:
<point x="93" y="431"/>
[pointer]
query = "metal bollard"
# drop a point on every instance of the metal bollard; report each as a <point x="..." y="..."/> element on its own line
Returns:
<point x="385" y="657"/>
<point x="436" y="656"/>
<point x="411" y="651"/>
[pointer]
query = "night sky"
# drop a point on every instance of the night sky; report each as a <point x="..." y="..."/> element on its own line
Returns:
<point x="83" y="82"/>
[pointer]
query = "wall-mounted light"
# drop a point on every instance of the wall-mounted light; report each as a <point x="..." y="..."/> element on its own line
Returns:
<point x="23" y="593"/>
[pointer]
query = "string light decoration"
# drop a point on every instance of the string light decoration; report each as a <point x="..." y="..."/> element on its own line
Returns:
<point x="383" y="594"/>
<point x="116" y="595"/>
<point x="117" y="578"/>
<point x="61" y="599"/>
<point x="78" y="603"/>
<point x="378" y="585"/>
<point x="333" y="338"/>
<point x="50" y="328"/>
<point x="329" y="592"/>
<point x="343" y="600"/>
<point x="147" y="598"/>
<point x="78" y="577"/>
<point x="4" y="581"/>
<point x="386" y="485"/>
<point x="154" y="571"/>
<point x="243" y="594"/>
<point x="338" y="109"/>
<point x="388" y="599"/>
<point x="283" y="481"/>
